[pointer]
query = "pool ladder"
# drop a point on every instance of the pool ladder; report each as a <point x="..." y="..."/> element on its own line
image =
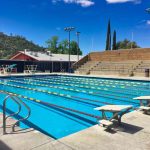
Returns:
<point x="18" y="101"/>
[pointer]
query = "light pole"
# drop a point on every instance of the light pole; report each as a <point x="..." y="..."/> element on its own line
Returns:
<point x="69" y="29"/>
<point x="78" y="35"/>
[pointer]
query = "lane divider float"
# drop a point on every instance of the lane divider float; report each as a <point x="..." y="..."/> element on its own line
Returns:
<point x="54" y="105"/>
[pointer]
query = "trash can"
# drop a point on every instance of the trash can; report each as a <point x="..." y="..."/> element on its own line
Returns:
<point x="146" y="72"/>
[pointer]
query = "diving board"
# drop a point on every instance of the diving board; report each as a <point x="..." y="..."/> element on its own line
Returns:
<point x="117" y="110"/>
<point x="30" y="69"/>
<point x="5" y="69"/>
<point x="143" y="99"/>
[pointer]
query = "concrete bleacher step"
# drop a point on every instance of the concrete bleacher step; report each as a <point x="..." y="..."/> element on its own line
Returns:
<point x="86" y="67"/>
<point x="121" y="62"/>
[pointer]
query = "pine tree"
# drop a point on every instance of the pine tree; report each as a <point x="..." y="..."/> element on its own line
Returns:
<point x="114" y="41"/>
<point x="108" y="39"/>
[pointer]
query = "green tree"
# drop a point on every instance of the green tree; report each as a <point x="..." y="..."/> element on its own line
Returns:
<point x="53" y="44"/>
<point x="127" y="44"/>
<point x="10" y="44"/>
<point x="108" y="39"/>
<point x="63" y="47"/>
<point x="74" y="48"/>
<point x="114" y="46"/>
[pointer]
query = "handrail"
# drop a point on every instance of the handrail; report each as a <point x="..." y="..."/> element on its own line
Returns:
<point x="4" y="111"/>
<point x="25" y="118"/>
<point x="19" y="109"/>
<point x="18" y="101"/>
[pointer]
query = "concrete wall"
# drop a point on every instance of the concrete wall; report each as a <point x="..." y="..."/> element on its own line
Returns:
<point x="121" y="55"/>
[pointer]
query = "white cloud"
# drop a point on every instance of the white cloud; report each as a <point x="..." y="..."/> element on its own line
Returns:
<point x="123" y="1"/>
<point x="148" y="22"/>
<point x="143" y="24"/>
<point x="83" y="3"/>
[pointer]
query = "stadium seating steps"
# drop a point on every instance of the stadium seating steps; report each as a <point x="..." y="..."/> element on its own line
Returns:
<point x="131" y="62"/>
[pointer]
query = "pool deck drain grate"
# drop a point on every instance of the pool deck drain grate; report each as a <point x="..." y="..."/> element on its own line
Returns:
<point x="132" y="134"/>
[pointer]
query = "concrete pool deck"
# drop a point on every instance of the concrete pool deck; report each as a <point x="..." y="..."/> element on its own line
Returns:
<point x="133" y="134"/>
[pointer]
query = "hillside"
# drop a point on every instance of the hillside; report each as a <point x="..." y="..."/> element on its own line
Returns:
<point x="10" y="44"/>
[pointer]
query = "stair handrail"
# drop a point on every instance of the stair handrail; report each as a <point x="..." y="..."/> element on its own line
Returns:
<point x="16" y="113"/>
<point x="17" y="100"/>
<point x="4" y="111"/>
<point x="25" y="118"/>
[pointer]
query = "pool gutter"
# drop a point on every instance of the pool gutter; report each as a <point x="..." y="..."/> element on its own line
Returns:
<point x="134" y="78"/>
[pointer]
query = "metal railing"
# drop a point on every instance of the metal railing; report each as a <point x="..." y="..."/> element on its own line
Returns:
<point x="18" y="101"/>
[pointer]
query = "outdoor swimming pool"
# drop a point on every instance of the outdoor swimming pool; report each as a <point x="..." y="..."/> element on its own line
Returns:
<point x="62" y="105"/>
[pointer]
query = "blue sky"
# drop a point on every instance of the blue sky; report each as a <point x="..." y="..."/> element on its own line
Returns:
<point x="38" y="20"/>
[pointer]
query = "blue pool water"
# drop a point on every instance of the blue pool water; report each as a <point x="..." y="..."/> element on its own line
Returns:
<point x="62" y="105"/>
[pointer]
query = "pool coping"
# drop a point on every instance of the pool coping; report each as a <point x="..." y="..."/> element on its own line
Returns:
<point x="110" y="77"/>
<point x="134" y="78"/>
